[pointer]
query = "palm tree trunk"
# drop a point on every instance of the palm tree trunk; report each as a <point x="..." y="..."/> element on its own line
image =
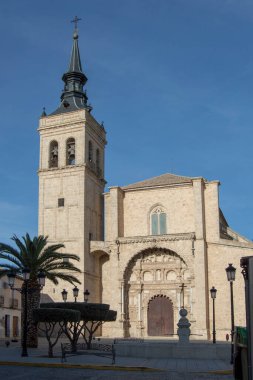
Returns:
<point x="33" y="298"/>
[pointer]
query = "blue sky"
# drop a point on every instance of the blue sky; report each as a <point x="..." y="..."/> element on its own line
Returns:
<point x="171" y="79"/>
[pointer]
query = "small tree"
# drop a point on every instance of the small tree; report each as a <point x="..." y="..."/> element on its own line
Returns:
<point x="48" y="320"/>
<point x="93" y="315"/>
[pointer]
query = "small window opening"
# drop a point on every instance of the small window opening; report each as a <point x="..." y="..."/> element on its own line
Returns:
<point x="53" y="154"/>
<point x="98" y="161"/>
<point x="61" y="202"/>
<point x="71" y="154"/>
<point x="90" y="152"/>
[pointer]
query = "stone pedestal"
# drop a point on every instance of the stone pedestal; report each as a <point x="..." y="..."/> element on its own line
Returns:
<point x="183" y="330"/>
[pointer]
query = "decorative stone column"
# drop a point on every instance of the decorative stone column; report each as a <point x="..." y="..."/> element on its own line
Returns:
<point x="183" y="330"/>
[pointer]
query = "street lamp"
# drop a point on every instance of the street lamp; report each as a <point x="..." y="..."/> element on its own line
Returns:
<point x="24" y="290"/>
<point x="64" y="294"/>
<point x="41" y="278"/>
<point x="11" y="279"/>
<point x="230" y="270"/>
<point x="86" y="295"/>
<point x="213" y="292"/>
<point x="75" y="292"/>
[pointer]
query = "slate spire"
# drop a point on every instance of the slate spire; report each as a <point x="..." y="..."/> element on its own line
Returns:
<point x="73" y="95"/>
<point x="75" y="61"/>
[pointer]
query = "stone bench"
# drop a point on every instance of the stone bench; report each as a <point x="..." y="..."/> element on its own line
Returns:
<point x="98" y="349"/>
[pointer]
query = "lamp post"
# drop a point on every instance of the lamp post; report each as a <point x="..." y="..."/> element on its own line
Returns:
<point x="213" y="292"/>
<point x="86" y="295"/>
<point x="24" y="290"/>
<point x="230" y="270"/>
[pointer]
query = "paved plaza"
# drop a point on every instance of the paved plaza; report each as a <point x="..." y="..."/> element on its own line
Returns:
<point x="38" y="366"/>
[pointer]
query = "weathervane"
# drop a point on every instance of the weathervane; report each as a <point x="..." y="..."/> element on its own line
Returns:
<point x="75" y="21"/>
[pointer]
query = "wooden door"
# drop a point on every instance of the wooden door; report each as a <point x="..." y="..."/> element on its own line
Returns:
<point x="160" y="317"/>
<point x="7" y="325"/>
<point x="15" y="326"/>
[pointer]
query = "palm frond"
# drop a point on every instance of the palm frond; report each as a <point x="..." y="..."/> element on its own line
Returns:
<point x="10" y="268"/>
<point x="54" y="248"/>
<point x="8" y="249"/>
<point x="56" y="256"/>
<point x="54" y="276"/>
<point x="20" y="245"/>
<point x="61" y="265"/>
<point x="41" y="242"/>
<point x="51" y="277"/>
<point x="13" y="259"/>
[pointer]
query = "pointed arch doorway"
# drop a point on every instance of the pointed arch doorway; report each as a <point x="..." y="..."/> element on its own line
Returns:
<point x="160" y="316"/>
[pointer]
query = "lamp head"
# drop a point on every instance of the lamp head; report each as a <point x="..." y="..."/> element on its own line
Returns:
<point x="75" y="292"/>
<point x="26" y="273"/>
<point x="41" y="278"/>
<point x="213" y="292"/>
<point x="11" y="279"/>
<point x="86" y="295"/>
<point x="230" y="270"/>
<point x="64" y="294"/>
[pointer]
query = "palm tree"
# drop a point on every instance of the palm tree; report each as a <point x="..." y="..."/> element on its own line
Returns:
<point x="35" y="255"/>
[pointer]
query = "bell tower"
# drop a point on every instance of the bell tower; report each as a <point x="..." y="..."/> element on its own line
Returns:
<point x="71" y="177"/>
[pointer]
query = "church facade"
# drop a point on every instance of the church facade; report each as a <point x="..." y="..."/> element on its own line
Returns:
<point x="147" y="249"/>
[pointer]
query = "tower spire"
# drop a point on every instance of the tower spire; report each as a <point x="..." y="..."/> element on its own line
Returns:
<point x="75" y="61"/>
<point x="73" y="95"/>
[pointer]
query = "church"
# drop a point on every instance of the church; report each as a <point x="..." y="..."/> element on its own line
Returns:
<point x="147" y="248"/>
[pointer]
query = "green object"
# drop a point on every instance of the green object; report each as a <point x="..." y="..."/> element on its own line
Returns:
<point x="241" y="335"/>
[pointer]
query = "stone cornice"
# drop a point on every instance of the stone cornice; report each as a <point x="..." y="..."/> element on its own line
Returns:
<point x="185" y="184"/>
<point x="156" y="239"/>
<point x="72" y="168"/>
<point x="60" y="129"/>
<point x="232" y="244"/>
<point x="63" y="168"/>
<point x="62" y="119"/>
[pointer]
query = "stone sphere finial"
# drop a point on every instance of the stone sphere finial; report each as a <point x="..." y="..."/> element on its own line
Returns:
<point x="183" y="312"/>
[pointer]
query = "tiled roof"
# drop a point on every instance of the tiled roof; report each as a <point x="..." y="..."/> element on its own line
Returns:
<point x="164" y="179"/>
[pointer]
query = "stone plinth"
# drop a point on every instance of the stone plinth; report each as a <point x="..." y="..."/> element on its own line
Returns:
<point x="183" y="330"/>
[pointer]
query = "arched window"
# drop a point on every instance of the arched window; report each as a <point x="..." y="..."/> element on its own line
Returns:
<point x="147" y="276"/>
<point x="71" y="151"/>
<point x="158" y="221"/>
<point x="97" y="160"/>
<point x="53" y="154"/>
<point x="90" y="152"/>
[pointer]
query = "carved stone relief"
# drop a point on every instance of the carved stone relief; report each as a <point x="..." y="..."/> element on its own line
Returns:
<point x="149" y="274"/>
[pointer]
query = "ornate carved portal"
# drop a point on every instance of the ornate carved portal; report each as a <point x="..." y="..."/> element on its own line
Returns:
<point x="151" y="295"/>
<point x="160" y="316"/>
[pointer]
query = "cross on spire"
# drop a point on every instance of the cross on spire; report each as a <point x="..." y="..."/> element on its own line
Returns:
<point x="75" y="21"/>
